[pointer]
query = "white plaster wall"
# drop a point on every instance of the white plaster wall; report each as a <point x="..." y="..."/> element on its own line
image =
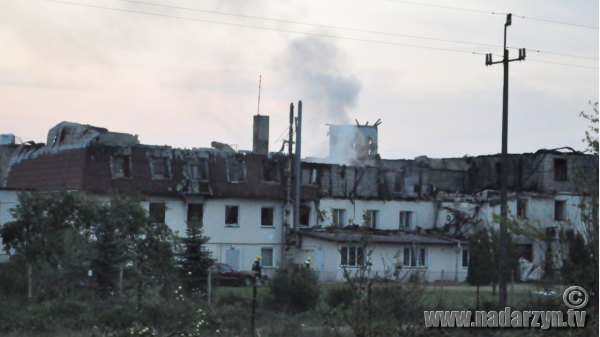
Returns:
<point x="389" y="211"/>
<point x="439" y="257"/>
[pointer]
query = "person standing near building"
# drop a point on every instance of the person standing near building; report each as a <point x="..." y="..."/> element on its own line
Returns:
<point x="307" y="263"/>
<point x="257" y="268"/>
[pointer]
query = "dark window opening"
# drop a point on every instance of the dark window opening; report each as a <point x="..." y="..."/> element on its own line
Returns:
<point x="522" y="208"/>
<point x="199" y="170"/>
<point x="266" y="217"/>
<point x="231" y="215"/>
<point x="372" y="218"/>
<point x="414" y="257"/>
<point x="339" y="217"/>
<point x="304" y="215"/>
<point x="417" y="188"/>
<point x="160" y="167"/>
<point x="398" y="182"/>
<point x="406" y="219"/>
<point x="195" y="212"/>
<point x="526" y="251"/>
<point x="465" y="258"/>
<point x="270" y="172"/>
<point x="121" y="167"/>
<point x="157" y="212"/>
<point x="236" y="169"/>
<point x="560" y="210"/>
<point x="560" y="169"/>
<point x="498" y="174"/>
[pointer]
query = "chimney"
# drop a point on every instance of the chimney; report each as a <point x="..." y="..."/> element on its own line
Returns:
<point x="260" y="139"/>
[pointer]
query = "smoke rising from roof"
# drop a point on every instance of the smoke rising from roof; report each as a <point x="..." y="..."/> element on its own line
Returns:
<point x="320" y="74"/>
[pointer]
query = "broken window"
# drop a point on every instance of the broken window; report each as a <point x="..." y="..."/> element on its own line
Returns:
<point x="266" y="216"/>
<point x="465" y="258"/>
<point x="417" y="189"/>
<point x="157" y="212"/>
<point x="498" y="174"/>
<point x="526" y="251"/>
<point x="236" y="169"/>
<point x="406" y="219"/>
<point x="270" y="171"/>
<point x="339" y="217"/>
<point x="267" y="257"/>
<point x="304" y="215"/>
<point x="560" y="210"/>
<point x="560" y="169"/>
<point x="398" y="181"/>
<point x="352" y="256"/>
<point x="160" y="167"/>
<point x="121" y="166"/>
<point x="195" y="212"/>
<point x="522" y="208"/>
<point x="199" y="170"/>
<point x="372" y="218"/>
<point x="231" y="215"/>
<point x="414" y="257"/>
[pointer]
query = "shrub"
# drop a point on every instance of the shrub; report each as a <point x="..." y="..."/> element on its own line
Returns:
<point x="294" y="291"/>
<point x="339" y="295"/>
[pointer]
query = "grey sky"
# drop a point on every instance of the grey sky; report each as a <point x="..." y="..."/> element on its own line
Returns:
<point x="186" y="83"/>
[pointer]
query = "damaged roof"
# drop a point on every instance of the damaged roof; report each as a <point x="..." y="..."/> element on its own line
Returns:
<point x="376" y="236"/>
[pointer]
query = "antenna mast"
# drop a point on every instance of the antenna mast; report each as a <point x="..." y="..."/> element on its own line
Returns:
<point x="259" y="83"/>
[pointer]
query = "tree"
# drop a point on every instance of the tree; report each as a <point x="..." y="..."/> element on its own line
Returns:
<point x="512" y="249"/>
<point x="480" y="261"/>
<point x="195" y="258"/>
<point x="578" y="268"/>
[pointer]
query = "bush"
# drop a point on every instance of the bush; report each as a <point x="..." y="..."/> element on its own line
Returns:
<point x="339" y="295"/>
<point x="294" y="291"/>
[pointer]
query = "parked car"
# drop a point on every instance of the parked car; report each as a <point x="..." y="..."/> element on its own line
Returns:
<point x="224" y="274"/>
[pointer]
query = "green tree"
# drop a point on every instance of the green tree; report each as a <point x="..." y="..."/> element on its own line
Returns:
<point x="480" y="257"/>
<point x="194" y="258"/>
<point x="578" y="267"/>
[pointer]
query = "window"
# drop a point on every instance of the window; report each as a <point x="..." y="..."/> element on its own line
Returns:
<point x="121" y="167"/>
<point x="398" y="181"/>
<point x="267" y="257"/>
<point x="498" y="174"/>
<point x="352" y="256"/>
<point x="522" y="208"/>
<point x="270" y="172"/>
<point x="159" y="167"/>
<point x="560" y="210"/>
<point x="406" y="219"/>
<point x="414" y="257"/>
<point x="231" y="215"/>
<point x="195" y="212"/>
<point x="465" y="258"/>
<point x="313" y="176"/>
<point x="199" y="170"/>
<point x="304" y="215"/>
<point x="560" y="169"/>
<point x="372" y="218"/>
<point x="417" y="189"/>
<point x="157" y="212"/>
<point x="236" y="170"/>
<point x="266" y="216"/>
<point x="339" y="217"/>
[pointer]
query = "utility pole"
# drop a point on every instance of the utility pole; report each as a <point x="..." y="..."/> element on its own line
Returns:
<point x="503" y="167"/>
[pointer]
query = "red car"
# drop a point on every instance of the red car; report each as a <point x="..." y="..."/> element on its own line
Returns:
<point x="223" y="274"/>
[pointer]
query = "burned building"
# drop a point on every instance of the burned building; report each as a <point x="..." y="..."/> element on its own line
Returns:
<point x="419" y="211"/>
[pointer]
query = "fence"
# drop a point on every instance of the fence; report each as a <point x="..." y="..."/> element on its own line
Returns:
<point x="422" y="275"/>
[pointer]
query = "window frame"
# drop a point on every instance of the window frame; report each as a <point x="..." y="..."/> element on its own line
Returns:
<point x="262" y="254"/>
<point x="407" y="219"/>
<point x="562" y="212"/>
<point x="194" y="204"/>
<point x="237" y="223"/>
<point x="523" y="207"/>
<point x="465" y="250"/>
<point x="420" y="263"/>
<point x="355" y="256"/>
<point x="561" y="174"/>
<point x="127" y="169"/>
<point x="272" y="216"/>
<point x="241" y="166"/>
<point x="373" y="218"/>
<point x="335" y="214"/>
<point x="165" y="162"/>
<point x="308" y="209"/>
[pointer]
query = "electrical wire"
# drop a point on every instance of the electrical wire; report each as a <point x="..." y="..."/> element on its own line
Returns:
<point x="343" y="28"/>
<point x="562" y="64"/>
<point x="547" y="52"/>
<point x="294" y="32"/>
<point x="488" y="12"/>
<point x="265" y="28"/>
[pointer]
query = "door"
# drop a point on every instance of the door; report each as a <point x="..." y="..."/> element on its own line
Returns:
<point x="232" y="258"/>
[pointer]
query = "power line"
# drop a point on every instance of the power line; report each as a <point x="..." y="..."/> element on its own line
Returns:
<point x="341" y="28"/>
<point x="562" y="64"/>
<point x="310" y="24"/>
<point x="289" y="31"/>
<point x="488" y="12"/>
<point x="547" y="52"/>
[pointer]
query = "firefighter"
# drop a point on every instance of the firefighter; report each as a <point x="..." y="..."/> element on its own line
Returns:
<point x="307" y="263"/>
<point x="257" y="268"/>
